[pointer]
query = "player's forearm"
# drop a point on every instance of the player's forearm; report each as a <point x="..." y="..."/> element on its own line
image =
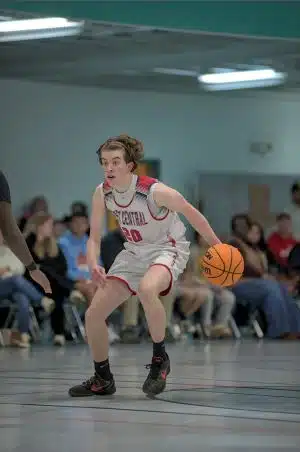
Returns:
<point x="13" y="236"/>
<point x="202" y="226"/>
<point x="93" y="252"/>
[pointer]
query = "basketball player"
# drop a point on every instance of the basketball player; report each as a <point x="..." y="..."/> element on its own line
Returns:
<point x="14" y="238"/>
<point x="156" y="252"/>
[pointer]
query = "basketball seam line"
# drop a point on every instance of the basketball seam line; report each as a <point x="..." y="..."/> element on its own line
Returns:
<point x="227" y="273"/>
<point x="220" y="257"/>
<point x="220" y="269"/>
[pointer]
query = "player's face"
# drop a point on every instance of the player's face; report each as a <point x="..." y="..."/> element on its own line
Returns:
<point x="254" y="234"/>
<point x="116" y="170"/>
<point x="285" y="226"/>
<point x="46" y="229"/>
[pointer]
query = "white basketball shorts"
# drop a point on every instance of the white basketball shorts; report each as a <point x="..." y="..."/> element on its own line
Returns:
<point x="132" y="263"/>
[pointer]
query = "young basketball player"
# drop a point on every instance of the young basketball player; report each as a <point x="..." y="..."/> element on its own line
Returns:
<point x="156" y="252"/>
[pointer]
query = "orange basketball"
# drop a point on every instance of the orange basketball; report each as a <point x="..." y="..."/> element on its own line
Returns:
<point x="223" y="265"/>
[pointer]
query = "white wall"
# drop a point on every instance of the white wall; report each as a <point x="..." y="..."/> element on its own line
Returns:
<point x="49" y="135"/>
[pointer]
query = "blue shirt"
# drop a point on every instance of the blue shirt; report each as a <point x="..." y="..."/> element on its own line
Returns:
<point x="75" y="252"/>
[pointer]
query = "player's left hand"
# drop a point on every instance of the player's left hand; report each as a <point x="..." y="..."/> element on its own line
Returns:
<point x="99" y="275"/>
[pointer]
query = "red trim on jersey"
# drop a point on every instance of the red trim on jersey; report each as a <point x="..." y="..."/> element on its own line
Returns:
<point x="155" y="218"/>
<point x="165" y="292"/>
<point x="171" y="240"/>
<point x="121" y="205"/>
<point x="143" y="183"/>
<point x="122" y="281"/>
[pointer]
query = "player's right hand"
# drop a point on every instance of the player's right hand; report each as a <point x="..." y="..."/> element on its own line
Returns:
<point x="99" y="275"/>
<point x="39" y="277"/>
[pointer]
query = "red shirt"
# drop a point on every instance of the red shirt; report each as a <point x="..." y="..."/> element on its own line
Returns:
<point x="281" y="247"/>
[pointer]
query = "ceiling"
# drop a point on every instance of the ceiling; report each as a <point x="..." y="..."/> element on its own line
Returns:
<point x="124" y="57"/>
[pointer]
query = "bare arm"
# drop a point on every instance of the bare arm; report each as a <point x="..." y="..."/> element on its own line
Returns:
<point x="165" y="196"/>
<point x="9" y="228"/>
<point x="96" y="228"/>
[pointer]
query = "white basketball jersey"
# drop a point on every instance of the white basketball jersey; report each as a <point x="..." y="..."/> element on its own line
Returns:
<point x="141" y="220"/>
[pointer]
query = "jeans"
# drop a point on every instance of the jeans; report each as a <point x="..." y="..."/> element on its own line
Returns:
<point x="22" y="292"/>
<point x="282" y="313"/>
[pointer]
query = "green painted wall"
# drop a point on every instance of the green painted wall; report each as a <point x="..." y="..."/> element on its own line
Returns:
<point x="270" y="18"/>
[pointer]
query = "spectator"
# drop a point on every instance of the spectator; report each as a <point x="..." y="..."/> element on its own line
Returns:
<point x="281" y="241"/>
<point x="261" y="291"/>
<point x="294" y="210"/>
<point x="74" y="246"/>
<point x="59" y="228"/>
<point x="17" y="289"/>
<point x="216" y="303"/>
<point x="39" y="204"/>
<point x="49" y="256"/>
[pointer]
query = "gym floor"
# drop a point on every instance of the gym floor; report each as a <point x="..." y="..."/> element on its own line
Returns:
<point x="220" y="396"/>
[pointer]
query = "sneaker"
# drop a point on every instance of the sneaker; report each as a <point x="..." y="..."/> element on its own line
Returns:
<point x="156" y="381"/>
<point x="23" y="341"/>
<point x="94" y="386"/>
<point x="220" y="331"/>
<point x="77" y="298"/>
<point x="59" y="340"/>
<point x="48" y="304"/>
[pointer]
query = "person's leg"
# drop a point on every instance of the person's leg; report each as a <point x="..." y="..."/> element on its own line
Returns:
<point x="129" y="333"/>
<point x="57" y="319"/>
<point x="20" y="284"/>
<point x="224" y="303"/>
<point x="6" y="287"/>
<point x="266" y="295"/>
<point x="157" y="281"/>
<point x="8" y="290"/>
<point x="105" y="301"/>
<point x="23" y="318"/>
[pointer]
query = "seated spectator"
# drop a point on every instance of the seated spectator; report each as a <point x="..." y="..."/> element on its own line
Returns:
<point x="261" y="291"/>
<point x="294" y="209"/>
<point x="79" y="208"/>
<point x="74" y="246"/>
<point x="259" y="237"/>
<point x="59" y="228"/>
<point x="216" y="302"/>
<point x="39" y="204"/>
<point x="281" y="241"/>
<point x="16" y="288"/>
<point x="46" y="252"/>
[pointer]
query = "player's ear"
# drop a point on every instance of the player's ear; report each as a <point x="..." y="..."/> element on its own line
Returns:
<point x="130" y="166"/>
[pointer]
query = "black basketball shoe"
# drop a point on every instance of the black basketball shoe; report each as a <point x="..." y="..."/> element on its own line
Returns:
<point x="94" y="386"/>
<point x="156" y="381"/>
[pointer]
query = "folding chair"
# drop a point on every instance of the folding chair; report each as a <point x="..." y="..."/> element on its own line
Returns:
<point x="74" y="322"/>
<point x="11" y="320"/>
<point x="254" y="323"/>
<point x="234" y="328"/>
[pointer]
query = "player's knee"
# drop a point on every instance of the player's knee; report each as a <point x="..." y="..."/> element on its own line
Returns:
<point x="93" y="312"/>
<point x="147" y="291"/>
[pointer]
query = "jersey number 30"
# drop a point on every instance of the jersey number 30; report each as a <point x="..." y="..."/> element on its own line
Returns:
<point x="132" y="235"/>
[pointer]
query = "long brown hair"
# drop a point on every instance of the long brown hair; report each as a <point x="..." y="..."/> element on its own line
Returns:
<point x="48" y="246"/>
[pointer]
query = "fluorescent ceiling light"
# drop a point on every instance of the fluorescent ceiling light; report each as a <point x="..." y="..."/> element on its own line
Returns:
<point x="230" y="80"/>
<point x="240" y="76"/>
<point x="52" y="27"/>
